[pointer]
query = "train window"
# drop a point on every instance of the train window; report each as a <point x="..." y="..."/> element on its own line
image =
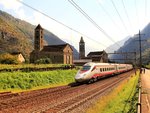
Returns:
<point x="85" y="68"/>
<point x="100" y="69"/>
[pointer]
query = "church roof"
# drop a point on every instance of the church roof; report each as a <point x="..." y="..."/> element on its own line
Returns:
<point x="55" y="48"/>
<point x="96" y="53"/>
<point x="81" y="40"/>
<point x="39" y="27"/>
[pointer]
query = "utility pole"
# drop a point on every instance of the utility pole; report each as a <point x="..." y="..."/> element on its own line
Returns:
<point x="140" y="48"/>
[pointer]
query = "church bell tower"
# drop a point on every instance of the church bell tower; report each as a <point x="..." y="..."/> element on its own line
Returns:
<point x="81" y="48"/>
<point x="38" y="38"/>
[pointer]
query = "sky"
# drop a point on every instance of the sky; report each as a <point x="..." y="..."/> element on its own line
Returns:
<point x="110" y="20"/>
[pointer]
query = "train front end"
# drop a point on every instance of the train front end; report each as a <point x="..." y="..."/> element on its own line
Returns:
<point x="83" y="74"/>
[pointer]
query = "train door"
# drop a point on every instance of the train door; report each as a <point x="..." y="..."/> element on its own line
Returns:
<point x="116" y="69"/>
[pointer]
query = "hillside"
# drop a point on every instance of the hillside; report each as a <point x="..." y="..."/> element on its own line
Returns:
<point x="132" y="45"/>
<point x="114" y="47"/>
<point x="18" y="36"/>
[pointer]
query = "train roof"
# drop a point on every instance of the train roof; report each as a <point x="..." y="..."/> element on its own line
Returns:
<point x="94" y="63"/>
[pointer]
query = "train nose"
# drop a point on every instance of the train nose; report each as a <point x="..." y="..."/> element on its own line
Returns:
<point x="78" y="76"/>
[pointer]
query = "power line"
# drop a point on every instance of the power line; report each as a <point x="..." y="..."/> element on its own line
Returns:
<point x="145" y="11"/>
<point x="120" y="17"/>
<point x="58" y="21"/>
<point x="127" y="14"/>
<point x="115" y="24"/>
<point x="137" y="14"/>
<point x="140" y="47"/>
<point x="91" y="20"/>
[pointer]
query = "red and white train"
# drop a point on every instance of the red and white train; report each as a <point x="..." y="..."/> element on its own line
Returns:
<point x="92" y="71"/>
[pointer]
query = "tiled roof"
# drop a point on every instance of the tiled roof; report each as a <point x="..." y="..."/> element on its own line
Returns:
<point x="55" y="48"/>
<point x="39" y="27"/>
<point x="95" y="53"/>
<point x="81" y="40"/>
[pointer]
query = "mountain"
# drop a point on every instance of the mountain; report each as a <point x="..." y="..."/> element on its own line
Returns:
<point x="132" y="45"/>
<point x="115" y="47"/>
<point x="18" y="36"/>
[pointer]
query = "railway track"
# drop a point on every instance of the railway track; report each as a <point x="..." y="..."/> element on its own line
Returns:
<point x="57" y="100"/>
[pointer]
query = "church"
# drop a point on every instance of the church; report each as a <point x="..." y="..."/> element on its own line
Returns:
<point x="59" y="54"/>
<point x="94" y="56"/>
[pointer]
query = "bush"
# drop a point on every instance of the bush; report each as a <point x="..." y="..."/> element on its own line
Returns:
<point x="43" y="61"/>
<point x="7" y="58"/>
<point x="26" y="80"/>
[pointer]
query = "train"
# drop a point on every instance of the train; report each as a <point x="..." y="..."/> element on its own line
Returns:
<point x="91" y="72"/>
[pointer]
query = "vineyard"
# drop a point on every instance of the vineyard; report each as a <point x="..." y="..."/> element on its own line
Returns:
<point x="33" y="67"/>
<point x="23" y="80"/>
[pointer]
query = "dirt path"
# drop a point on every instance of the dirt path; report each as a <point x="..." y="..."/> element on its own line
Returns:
<point x="145" y="80"/>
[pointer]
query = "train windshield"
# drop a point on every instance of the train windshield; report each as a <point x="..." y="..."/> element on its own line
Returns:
<point x="85" y="68"/>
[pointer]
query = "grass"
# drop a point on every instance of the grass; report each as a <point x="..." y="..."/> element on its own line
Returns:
<point x="122" y="99"/>
<point x="20" y="81"/>
<point x="148" y="66"/>
<point x="13" y="66"/>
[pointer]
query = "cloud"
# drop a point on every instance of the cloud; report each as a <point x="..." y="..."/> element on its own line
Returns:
<point x="15" y="6"/>
<point x="10" y="4"/>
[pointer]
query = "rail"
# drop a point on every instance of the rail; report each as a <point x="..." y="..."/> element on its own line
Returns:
<point x="139" y="96"/>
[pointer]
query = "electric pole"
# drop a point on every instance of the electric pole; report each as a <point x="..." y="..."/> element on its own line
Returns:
<point x="140" y="48"/>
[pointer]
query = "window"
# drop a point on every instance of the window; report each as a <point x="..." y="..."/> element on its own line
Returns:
<point x="101" y="70"/>
<point x="85" y="68"/>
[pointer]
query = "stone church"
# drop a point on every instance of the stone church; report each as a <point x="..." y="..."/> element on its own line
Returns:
<point x="94" y="56"/>
<point x="59" y="54"/>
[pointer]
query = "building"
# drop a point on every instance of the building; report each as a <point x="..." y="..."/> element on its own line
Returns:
<point x="18" y="56"/>
<point x="98" y="56"/>
<point x="81" y="48"/>
<point x="59" y="54"/>
<point x="95" y="56"/>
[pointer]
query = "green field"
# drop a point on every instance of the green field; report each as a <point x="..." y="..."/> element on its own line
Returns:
<point x="11" y="81"/>
<point x="122" y="99"/>
<point x="148" y="66"/>
<point x="13" y="66"/>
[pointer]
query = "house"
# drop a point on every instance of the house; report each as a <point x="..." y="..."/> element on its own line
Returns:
<point x="98" y="56"/>
<point x="59" y="54"/>
<point x="18" y="56"/>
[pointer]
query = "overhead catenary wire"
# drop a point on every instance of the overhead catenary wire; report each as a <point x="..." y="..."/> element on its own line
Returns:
<point x="145" y="11"/>
<point x="127" y="14"/>
<point x="59" y="22"/>
<point x="109" y="16"/>
<point x="91" y="20"/>
<point x="120" y="17"/>
<point x="136" y="10"/>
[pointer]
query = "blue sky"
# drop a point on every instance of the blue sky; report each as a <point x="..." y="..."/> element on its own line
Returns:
<point x="103" y="12"/>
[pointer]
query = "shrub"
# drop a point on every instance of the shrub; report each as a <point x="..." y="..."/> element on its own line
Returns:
<point x="29" y="80"/>
<point x="7" y="58"/>
<point x="43" y="61"/>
